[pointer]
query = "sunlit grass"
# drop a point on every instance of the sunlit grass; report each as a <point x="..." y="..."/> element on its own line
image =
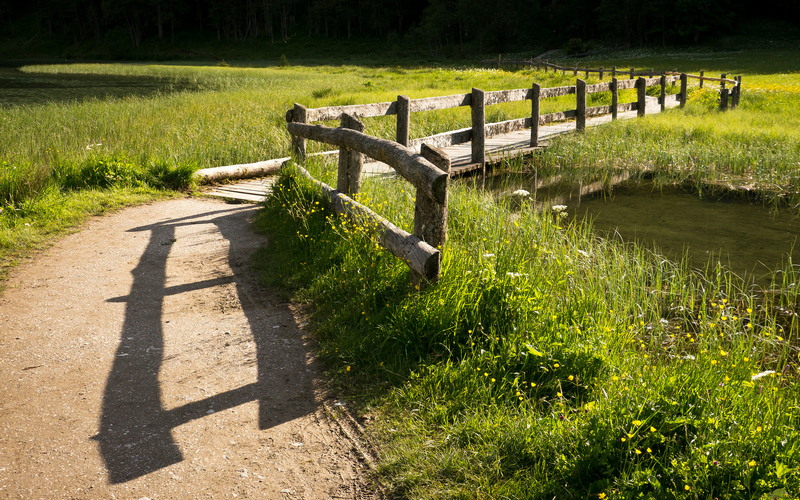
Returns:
<point x="547" y="362"/>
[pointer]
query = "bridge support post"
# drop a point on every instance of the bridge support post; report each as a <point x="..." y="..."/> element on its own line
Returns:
<point x="580" y="109"/>
<point x="641" y="93"/>
<point x="737" y="90"/>
<point x="430" y="216"/>
<point x="478" y="126"/>
<point x="614" y="98"/>
<point x="723" y="99"/>
<point x="403" y="119"/>
<point x="684" y="87"/>
<point x="535" y="91"/>
<point x="299" y="143"/>
<point x="350" y="162"/>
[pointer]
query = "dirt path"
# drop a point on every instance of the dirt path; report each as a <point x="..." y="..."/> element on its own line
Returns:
<point x="140" y="358"/>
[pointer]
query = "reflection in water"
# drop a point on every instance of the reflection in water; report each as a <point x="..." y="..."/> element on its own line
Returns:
<point x="748" y="238"/>
<point x="18" y="88"/>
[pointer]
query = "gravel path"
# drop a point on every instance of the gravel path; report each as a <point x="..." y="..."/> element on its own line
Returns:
<point x="140" y="358"/>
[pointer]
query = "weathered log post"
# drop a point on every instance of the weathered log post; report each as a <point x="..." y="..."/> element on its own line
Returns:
<point x="723" y="99"/>
<point x="575" y="71"/>
<point x="478" y="126"/>
<point x="641" y="93"/>
<point x="403" y="119"/>
<point x="701" y="78"/>
<point x="601" y="74"/>
<point x="737" y="90"/>
<point x="663" y="98"/>
<point x="722" y="77"/>
<point x="535" y="91"/>
<point x="614" y="98"/>
<point x="299" y="115"/>
<point x="613" y="71"/>
<point x="632" y="73"/>
<point x="684" y="88"/>
<point x="350" y="161"/>
<point x="430" y="216"/>
<point x="580" y="109"/>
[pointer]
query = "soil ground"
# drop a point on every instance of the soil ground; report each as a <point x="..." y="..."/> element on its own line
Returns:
<point x="140" y="358"/>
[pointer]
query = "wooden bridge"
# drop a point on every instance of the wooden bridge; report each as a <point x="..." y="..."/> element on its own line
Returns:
<point x="493" y="141"/>
<point x="428" y="162"/>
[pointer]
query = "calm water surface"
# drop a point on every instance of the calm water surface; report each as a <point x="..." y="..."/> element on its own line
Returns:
<point x="749" y="238"/>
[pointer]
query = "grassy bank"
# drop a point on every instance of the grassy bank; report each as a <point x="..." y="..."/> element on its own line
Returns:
<point x="549" y="363"/>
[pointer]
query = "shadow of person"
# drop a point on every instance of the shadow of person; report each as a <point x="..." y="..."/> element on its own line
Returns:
<point x="135" y="435"/>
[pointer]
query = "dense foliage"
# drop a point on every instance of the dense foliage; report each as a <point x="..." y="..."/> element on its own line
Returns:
<point x="433" y="24"/>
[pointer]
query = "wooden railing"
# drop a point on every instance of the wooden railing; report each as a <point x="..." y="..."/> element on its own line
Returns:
<point x="428" y="172"/>
<point x="478" y="99"/>
<point x="427" y="168"/>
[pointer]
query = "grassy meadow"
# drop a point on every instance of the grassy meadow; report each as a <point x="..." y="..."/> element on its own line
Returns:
<point x="547" y="362"/>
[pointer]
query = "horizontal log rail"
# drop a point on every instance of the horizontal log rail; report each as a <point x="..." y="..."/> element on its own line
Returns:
<point x="477" y="100"/>
<point x="428" y="171"/>
<point x="428" y="168"/>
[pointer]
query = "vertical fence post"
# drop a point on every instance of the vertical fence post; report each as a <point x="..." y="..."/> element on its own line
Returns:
<point x="580" y="93"/>
<point x="723" y="99"/>
<point x="614" y="98"/>
<point x="478" y="126"/>
<point x="613" y="71"/>
<point x="601" y="74"/>
<point x="737" y="90"/>
<point x="430" y="216"/>
<point x="723" y="76"/>
<point x="299" y="114"/>
<point x="701" y="78"/>
<point x="641" y="92"/>
<point x="587" y="73"/>
<point x="403" y="119"/>
<point x="535" y="91"/>
<point x="684" y="88"/>
<point x="663" y="97"/>
<point x="575" y="71"/>
<point x="350" y="162"/>
<point x="632" y="73"/>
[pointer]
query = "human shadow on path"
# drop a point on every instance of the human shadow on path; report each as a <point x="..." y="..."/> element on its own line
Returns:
<point x="135" y="436"/>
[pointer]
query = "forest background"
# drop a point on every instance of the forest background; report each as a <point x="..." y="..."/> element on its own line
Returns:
<point x="181" y="29"/>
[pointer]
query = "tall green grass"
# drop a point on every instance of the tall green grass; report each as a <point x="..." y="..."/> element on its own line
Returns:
<point x="546" y="362"/>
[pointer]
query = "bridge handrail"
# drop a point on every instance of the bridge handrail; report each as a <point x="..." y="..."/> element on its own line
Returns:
<point x="403" y="107"/>
<point x="427" y="171"/>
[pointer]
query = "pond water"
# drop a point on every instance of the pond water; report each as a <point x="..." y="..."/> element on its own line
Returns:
<point x="17" y="87"/>
<point x="749" y="238"/>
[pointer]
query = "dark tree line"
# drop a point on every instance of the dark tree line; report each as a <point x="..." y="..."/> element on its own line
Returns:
<point x="489" y="24"/>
